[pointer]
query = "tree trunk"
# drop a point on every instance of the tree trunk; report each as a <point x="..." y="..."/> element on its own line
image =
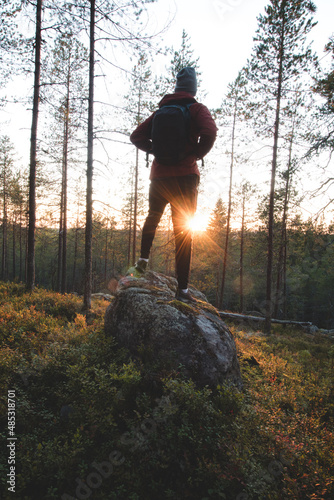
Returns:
<point x="33" y="152"/>
<point x="64" y="184"/>
<point x="60" y="241"/>
<point x="130" y="233"/>
<point x="281" y="271"/>
<point x="89" y="198"/>
<point x="242" y="256"/>
<point x="4" y="226"/>
<point x="14" y="249"/>
<point x="281" y="274"/>
<point x="135" y="209"/>
<point x="26" y="254"/>
<point x="20" y="246"/>
<point x="229" y="210"/>
<point x="284" y="274"/>
<point x="75" y="257"/>
<point x="106" y="251"/>
<point x="269" y="303"/>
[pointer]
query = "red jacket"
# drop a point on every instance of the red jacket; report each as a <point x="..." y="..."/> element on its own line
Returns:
<point x="203" y="133"/>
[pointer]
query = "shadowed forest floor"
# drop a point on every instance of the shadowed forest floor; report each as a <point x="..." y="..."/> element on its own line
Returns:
<point x="89" y="423"/>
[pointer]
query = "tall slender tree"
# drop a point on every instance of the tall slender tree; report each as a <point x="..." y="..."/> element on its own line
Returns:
<point x="294" y="125"/>
<point x="6" y="176"/>
<point x="233" y="111"/>
<point x="324" y="86"/>
<point x="245" y="193"/>
<point x="217" y="232"/>
<point x="279" y="57"/>
<point x="18" y="202"/>
<point x="33" y="150"/>
<point x="89" y="193"/>
<point x="66" y="96"/>
<point x="322" y="137"/>
<point x="103" y="17"/>
<point x="12" y="42"/>
<point x="138" y="105"/>
<point x="182" y="57"/>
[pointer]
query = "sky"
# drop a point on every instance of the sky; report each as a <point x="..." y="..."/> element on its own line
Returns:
<point x="221" y="35"/>
<point x="222" y="31"/>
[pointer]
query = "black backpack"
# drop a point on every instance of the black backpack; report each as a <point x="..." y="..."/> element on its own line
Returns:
<point x="170" y="133"/>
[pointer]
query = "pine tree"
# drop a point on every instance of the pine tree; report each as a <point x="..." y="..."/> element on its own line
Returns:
<point x="182" y="57"/>
<point x="13" y="47"/>
<point x="33" y="151"/>
<point x="216" y="231"/>
<point x="294" y="125"/>
<point x="138" y="106"/>
<point x="90" y="143"/>
<point x="6" y="176"/>
<point x="279" y="58"/>
<point x="322" y="136"/>
<point x="245" y="194"/>
<point x="102" y="20"/>
<point x="232" y="111"/>
<point x="18" y="200"/>
<point x="68" y="62"/>
<point x="324" y="86"/>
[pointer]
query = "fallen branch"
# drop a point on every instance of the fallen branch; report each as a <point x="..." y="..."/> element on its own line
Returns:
<point x="244" y="317"/>
<point x="308" y="326"/>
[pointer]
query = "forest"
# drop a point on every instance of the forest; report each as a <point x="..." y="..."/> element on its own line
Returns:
<point x="80" y="417"/>
<point x="63" y="228"/>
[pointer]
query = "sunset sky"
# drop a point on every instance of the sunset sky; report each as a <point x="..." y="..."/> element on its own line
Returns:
<point x="221" y="34"/>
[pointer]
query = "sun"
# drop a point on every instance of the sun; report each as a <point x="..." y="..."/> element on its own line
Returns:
<point x="199" y="222"/>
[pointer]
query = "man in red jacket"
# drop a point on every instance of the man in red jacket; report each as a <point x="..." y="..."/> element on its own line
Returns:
<point x="176" y="184"/>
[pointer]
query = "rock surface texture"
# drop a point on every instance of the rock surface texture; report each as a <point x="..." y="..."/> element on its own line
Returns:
<point x="146" y="319"/>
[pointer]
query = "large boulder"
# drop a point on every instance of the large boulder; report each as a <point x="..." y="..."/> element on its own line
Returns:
<point x="153" y="326"/>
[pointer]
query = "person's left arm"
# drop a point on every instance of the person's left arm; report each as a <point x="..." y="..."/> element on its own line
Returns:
<point x="206" y="130"/>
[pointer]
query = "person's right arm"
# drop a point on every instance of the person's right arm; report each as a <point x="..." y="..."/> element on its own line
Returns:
<point x="141" y="136"/>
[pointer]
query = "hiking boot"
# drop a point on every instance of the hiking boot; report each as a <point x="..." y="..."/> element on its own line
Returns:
<point x="138" y="269"/>
<point x="185" y="296"/>
<point x="141" y="265"/>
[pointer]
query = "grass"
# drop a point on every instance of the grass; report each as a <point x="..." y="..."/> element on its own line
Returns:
<point x="293" y="396"/>
<point x="92" y="424"/>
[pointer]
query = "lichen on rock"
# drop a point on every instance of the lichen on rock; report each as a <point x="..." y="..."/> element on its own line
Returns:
<point x="145" y="316"/>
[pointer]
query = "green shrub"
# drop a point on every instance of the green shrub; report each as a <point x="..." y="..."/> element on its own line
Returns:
<point x="85" y="413"/>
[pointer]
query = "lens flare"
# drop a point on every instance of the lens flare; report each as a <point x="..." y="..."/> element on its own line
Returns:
<point x="199" y="222"/>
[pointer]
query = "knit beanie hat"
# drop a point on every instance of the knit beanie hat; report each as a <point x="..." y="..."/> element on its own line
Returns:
<point x="186" y="81"/>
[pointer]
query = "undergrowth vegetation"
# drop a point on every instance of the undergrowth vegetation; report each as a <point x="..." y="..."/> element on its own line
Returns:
<point x="90" y="423"/>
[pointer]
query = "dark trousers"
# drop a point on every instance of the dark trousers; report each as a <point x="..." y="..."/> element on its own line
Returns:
<point x="181" y="193"/>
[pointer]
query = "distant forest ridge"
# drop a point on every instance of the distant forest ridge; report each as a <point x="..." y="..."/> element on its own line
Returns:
<point x="303" y="277"/>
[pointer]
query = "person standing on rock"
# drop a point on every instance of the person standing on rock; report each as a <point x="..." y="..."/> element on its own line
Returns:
<point x="178" y="134"/>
